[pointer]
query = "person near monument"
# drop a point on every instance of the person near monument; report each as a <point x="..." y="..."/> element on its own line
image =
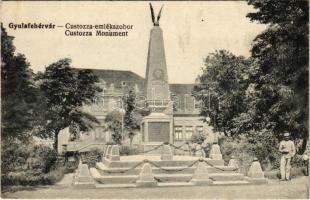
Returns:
<point x="287" y="149"/>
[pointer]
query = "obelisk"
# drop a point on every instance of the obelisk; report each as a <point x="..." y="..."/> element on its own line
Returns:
<point x="157" y="86"/>
<point x="157" y="127"/>
<point x="156" y="82"/>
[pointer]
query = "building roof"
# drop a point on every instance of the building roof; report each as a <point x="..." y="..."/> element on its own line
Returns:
<point x="117" y="77"/>
<point x="109" y="74"/>
<point x="182" y="92"/>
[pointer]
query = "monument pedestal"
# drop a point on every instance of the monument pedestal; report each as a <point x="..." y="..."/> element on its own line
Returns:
<point x="156" y="129"/>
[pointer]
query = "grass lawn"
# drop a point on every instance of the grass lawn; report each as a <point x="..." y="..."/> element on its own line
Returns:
<point x="296" y="188"/>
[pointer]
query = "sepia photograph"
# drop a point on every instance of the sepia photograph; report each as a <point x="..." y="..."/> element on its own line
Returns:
<point x="155" y="99"/>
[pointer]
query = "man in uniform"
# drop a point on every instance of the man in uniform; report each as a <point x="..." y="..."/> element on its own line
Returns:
<point x="287" y="149"/>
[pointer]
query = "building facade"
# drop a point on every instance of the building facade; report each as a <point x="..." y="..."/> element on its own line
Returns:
<point x="115" y="85"/>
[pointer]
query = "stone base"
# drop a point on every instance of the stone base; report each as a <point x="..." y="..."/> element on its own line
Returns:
<point x="90" y="185"/>
<point x="83" y="182"/>
<point x="157" y="128"/>
<point x="115" y="158"/>
<point x="146" y="183"/>
<point x="256" y="180"/>
<point x="201" y="182"/>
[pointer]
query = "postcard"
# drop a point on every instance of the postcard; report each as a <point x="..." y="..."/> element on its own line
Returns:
<point x="155" y="100"/>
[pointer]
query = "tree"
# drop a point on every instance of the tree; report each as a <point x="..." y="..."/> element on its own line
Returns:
<point x="281" y="82"/>
<point x="113" y="123"/>
<point x="18" y="92"/>
<point x="132" y="118"/>
<point x="257" y="99"/>
<point x="222" y="88"/>
<point x="65" y="92"/>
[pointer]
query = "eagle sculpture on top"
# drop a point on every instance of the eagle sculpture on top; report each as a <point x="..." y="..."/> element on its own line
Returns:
<point x="156" y="23"/>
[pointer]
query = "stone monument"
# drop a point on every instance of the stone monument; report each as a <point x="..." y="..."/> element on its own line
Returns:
<point x="146" y="177"/>
<point x="201" y="175"/>
<point x="215" y="152"/>
<point x="157" y="127"/>
<point x="83" y="179"/>
<point x="255" y="173"/>
<point x="114" y="155"/>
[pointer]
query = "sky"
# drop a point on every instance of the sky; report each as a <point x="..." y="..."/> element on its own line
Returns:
<point x="191" y="31"/>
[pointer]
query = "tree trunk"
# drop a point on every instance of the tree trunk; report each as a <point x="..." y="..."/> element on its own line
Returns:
<point x="56" y="140"/>
<point x="304" y="143"/>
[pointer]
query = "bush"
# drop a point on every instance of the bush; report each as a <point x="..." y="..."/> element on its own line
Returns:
<point x="261" y="144"/>
<point x="295" y="172"/>
<point x="72" y="163"/>
<point x="13" y="156"/>
<point x="198" y="138"/>
<point x="31" y="178"/>
<point x="298" y="161"/>
<point x="17" y="158"/>
<point x="92" y="157"/>
<point x="234" y="147"/>
<point x="126" y="151"/>
<point x="47" y="155"/>
<point x="54" y="176"/>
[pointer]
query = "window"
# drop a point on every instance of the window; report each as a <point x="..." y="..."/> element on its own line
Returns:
<point x="178" y="133"/>
<point x="197" y="104"/>
<point x="188" y="132"/>
<point x="189" y="102"/>
<point x="199" y="129"/>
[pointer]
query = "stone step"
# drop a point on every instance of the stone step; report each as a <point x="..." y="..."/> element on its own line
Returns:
<point x="172" y="184"/>
<point x="226" y="177"/>
<point x="188" y="177"/>
<point x="128" y="185"/>
<point x="120" y="185"/>
<point x="175" y="184"/>
<point x="131" y="179"/>
<point x="117" y="179"/>
<point x="219" y="183"/>
<point x="173" y="177"/>
<point x="163" y="163"/>
<point x="103" y="170"/>
<point x="125" y="178"/>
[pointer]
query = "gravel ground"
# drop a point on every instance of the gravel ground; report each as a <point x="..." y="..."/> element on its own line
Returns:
<point x="296" y="189"/>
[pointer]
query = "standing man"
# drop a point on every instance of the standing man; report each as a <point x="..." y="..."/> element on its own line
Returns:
<point x="287" y="149"/>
